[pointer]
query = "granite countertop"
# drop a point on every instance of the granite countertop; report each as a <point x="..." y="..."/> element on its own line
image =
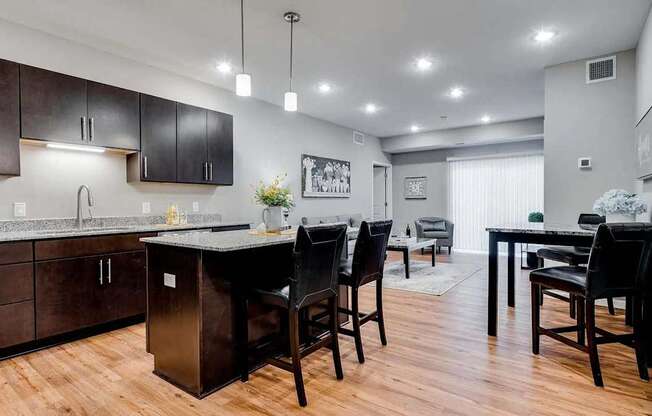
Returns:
<point x="51" y="229"/>
<point x="545" y="228"/>
<point x="227" y="240"/>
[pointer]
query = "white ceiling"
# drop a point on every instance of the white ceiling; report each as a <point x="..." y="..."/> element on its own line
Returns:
<point x="365" y="48"/>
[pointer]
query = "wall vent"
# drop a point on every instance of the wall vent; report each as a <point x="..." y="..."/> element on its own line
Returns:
<point x="601" y="69"/>
<point x="358" y="138"/>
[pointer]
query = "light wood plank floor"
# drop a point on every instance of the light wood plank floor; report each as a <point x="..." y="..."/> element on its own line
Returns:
<point x="439" y="361"/>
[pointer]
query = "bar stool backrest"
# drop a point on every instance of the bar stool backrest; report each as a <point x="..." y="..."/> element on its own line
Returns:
<point x="317" y="251"/>
<point x="369" y="252"/>
<point x="621" y="260"/>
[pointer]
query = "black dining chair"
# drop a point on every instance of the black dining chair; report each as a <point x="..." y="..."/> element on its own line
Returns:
<point x="573" y="256"/>
<point x="620" y="264"/>
<point x="317" y="252"/>
<point x="364" y="267"/>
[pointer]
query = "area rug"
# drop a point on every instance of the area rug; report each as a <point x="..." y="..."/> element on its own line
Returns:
<point x="427" y="279"/>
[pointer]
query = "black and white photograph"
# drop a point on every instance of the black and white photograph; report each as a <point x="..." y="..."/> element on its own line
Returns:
<point x="325" y="178"/>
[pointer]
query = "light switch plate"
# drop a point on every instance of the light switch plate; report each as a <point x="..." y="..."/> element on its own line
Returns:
<point x="169" y="280"/>
<point x="147" y="208"/>
<point x="195" y="206"/>
<point x="20" y="209"/>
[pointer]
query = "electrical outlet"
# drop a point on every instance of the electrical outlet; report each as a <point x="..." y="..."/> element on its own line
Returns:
<point x="147" y="208"/>
<point x="20" y="209"/>
<point x="195" y="206"/>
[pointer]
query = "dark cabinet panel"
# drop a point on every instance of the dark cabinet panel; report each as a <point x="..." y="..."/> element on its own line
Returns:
<point x="9" y="119"/>
<point x="219" y="132"/>
<point x="69" y="295"/>
<point x="16" y="323"/>
<point x="88" y="246"/>
<point x="16" y="283"/>
<point x="52" y="105"/>
<point x="191" y="144"/>
<point x="113" y="117"/>
<point x="127" y="284"/>
<point x="18" y="252"/>
<point x="158" y="124"/>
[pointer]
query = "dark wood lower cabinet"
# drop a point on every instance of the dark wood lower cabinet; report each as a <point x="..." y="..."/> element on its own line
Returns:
<point x="16" y="323"/>
<point x="127" y="295"/>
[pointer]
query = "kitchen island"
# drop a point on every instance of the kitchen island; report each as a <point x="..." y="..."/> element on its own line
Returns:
<point x="192" y="286"/>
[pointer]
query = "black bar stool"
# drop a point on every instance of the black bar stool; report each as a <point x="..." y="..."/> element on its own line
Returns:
<point x="366" y="266"/>
<point x="317" y="252"/>
<point x="621" y="261"/>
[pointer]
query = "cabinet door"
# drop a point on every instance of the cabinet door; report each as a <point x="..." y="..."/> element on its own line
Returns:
<point x="219" y="132"/>
<point x="9" y="119"/>
<point x="191" y="144"/>
<point x="113" y="117"/>
<point x="126" y="276"/>
<point x="52" y="105"/>
<point x="158" y="125"/>
<point x="69" y="296"/>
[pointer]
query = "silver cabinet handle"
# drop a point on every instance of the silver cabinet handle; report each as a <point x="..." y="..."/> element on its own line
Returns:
<point x="91" y="129"/>
<point x="211" y="171"/>
<point x="108" y="276"/>
<point x="83" y="128"/>
<point x="101" y="272"/>
<point x="145" y="166"/>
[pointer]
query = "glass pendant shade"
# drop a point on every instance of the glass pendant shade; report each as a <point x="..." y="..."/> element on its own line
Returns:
<point x="291" y="100"/>
<point x="243" y="85"/>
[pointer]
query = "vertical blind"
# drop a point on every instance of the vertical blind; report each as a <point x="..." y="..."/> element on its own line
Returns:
<point x="492" y="191"/>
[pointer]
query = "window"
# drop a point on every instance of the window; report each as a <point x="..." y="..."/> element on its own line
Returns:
<point x="492" y="191"/>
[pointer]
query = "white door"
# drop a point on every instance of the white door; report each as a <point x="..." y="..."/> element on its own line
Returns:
<point x="380" y="193"/>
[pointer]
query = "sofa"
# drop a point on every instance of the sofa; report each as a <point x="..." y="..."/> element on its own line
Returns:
<point x="436" y="227"/>
<point x="352" y="220"/>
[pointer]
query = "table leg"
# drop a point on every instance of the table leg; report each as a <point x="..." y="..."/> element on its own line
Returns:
<point x="647" y="332"/>
<point x="406" y="262"/>
<point x="510" y="275"/>
<point x="433" y="256"/>
<point x="492" y="289"/>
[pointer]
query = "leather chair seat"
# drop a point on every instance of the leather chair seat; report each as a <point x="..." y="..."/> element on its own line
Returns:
<point x="436" y="234"/>
<point x="568" y="255"/>
<point x="570" y="279"/>
<point x="273" y="296"/>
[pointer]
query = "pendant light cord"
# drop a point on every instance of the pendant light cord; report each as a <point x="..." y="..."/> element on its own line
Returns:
<point x="242" y="33"/>
<point x="291" y="48"/>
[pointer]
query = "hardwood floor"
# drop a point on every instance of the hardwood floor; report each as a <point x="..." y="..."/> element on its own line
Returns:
<point x="439" y="361"/>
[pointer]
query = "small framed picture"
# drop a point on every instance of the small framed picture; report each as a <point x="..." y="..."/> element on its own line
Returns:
<point x="415" y="187"/>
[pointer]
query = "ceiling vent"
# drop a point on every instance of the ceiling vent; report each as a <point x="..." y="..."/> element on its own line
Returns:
<point x="358" y="138"/>
<point x="601" y="69"/>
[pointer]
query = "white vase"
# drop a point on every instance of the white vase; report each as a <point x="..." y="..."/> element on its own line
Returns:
<point x="273" y="219"/>
<point x="621" y="218"/>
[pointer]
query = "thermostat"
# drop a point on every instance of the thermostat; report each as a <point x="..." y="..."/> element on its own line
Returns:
<point x="584" y="163"/>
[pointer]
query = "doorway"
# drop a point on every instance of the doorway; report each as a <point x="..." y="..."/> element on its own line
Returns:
<point x="379" y="194"/>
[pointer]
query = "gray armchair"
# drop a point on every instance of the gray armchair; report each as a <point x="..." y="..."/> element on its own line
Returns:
<point x="436" y="227"/>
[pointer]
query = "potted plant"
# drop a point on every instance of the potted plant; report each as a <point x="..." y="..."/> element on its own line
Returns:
<point x="619" y="205"/>
<point x="274" y="197"/>
<point x="535" y="216"/>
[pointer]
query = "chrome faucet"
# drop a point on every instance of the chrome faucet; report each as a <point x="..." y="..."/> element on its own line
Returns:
<point x="80" y="216"/>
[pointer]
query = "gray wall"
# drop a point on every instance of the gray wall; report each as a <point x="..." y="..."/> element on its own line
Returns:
<point x="433" y="165"/>
<point x="594" y="120"/>
<point x="644" y="70"/>
<point x="268" y="142"/>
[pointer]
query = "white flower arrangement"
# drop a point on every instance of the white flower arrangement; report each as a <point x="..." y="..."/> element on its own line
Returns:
<point x="619" y="201"/>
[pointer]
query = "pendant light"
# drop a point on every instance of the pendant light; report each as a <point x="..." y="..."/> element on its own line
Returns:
<point x="291" y="97"/>
<point x="242" y="80"/>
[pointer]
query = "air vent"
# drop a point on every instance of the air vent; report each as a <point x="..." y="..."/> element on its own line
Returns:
<point x="358" y="138"/>
<point x="601" y="69"/>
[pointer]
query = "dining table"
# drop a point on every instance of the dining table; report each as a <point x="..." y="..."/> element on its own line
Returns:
<point x="544" y="234"/>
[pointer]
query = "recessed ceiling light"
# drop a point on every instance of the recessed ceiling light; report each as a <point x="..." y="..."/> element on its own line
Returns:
<point x="325" y="88"/>
<point x="224" y="67"/>
<point x="456" y="92"/>
<point x="485" y="119"/>
<point x="370" y="108"/>
<point x="423" y="64"/>
<point x="414" y="128"/>
<point x="544" y="36"/>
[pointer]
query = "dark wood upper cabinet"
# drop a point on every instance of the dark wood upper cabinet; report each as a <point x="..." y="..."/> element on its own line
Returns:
<point x="192" y="152"/>
<point x="52" y="105"/>
<point x="9" y="119"/>
<point x="219" y="128"/>
<point x="157" y="161"/>
<point x="113" y="117"/>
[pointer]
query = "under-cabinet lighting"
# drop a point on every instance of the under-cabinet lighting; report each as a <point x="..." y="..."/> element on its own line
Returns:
<point x="62" y="146"/>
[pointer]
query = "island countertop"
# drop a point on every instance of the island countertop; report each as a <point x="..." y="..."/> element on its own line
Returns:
<point x="545" y="228"/>
<point x="227" y="240"/>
